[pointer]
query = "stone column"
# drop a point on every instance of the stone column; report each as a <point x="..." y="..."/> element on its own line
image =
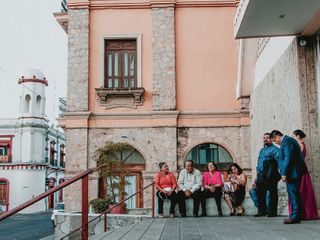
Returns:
<point x="78" y="78"/>
<point x="309" y="114"/>
<point x="78" y="59"/>
<point x="163" y="58"/>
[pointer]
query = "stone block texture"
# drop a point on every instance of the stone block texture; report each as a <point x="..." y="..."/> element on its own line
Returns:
<point x="286" y="100"/>
<point x="77" y="162"/>
<point x="163" y="59"/>
<point x="78" y="59"/>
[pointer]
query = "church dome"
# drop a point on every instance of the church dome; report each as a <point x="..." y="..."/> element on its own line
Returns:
<point x="33" y="73"/>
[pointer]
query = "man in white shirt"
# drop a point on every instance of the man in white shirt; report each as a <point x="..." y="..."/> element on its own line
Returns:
<point x="190" y="183"/>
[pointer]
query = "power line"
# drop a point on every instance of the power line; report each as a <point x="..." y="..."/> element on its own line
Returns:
<point x="11" y="76"/>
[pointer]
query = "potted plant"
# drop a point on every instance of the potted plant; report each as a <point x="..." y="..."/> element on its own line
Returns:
<point x="111" y="166"/>
<point x="99" y="205"/>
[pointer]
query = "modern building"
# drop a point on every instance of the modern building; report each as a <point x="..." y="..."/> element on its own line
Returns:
<point x="279" y="71"/>
<point x="32" y="153"/>
<point x="160" y="75"/>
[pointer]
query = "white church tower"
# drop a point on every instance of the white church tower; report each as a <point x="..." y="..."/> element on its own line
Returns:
<point x="32" y="116"/>
<point x="31" y="151"/>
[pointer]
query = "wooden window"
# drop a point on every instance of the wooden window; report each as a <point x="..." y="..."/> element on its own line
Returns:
<point x="4" y="153"/>
<point x="52" y="153"/>
<point x="120" y="63"/>
<point x="62" y="154"/>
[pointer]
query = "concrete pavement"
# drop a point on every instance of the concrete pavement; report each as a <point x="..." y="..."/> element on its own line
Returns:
<point x="216" y="228"/>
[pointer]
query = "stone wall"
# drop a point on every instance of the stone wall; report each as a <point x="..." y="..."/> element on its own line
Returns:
<point x="76" y="162"/>
<point x="78" y="59"/>
<point x="155" y="145"/>
<point x="286" y="100"/>
<point x="228" y="137"/>
<point x="67" y="222"/>
<point x="163" y="59"/>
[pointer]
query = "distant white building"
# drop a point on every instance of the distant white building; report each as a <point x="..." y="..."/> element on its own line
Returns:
<point x="32" y="153"/>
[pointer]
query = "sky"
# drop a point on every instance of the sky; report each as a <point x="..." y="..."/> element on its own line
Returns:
<point x="30" y="37"/>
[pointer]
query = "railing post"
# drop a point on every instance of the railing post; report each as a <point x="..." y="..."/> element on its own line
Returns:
<point x="84" y="232"/>
<point x="105" y="222"/>
<point x="153" y="201"/>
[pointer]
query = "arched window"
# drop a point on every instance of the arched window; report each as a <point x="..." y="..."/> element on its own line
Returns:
<point x="38" y="104"/>
<point x="4" y="193"/>
<point x="27" y="103"/>
<point x="209" y="152"/>
<point x="135" y="164"/>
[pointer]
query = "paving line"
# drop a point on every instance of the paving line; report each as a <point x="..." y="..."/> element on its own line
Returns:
<point x="146" y="229"/>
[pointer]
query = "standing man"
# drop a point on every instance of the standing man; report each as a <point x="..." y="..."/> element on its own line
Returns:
<point x="267" y="177"/>
<point x="291" y="165"/>
<point x="190" y="183"/>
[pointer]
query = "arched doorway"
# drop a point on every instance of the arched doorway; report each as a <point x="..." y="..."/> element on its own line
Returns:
<point x="210" y="152"/>
<point x="4" y="193"/>
<point x="135" y="164"/>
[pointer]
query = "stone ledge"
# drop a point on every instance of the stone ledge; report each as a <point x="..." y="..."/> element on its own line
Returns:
<point x="124" y="97"/>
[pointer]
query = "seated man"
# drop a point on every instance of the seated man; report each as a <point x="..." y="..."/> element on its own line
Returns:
<point x="190" y="183"/>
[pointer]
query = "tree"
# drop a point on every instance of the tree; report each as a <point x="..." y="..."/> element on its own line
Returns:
<point x="111" y="165"/>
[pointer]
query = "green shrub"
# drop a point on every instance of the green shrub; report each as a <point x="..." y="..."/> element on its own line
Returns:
<point x="99" y="205"/>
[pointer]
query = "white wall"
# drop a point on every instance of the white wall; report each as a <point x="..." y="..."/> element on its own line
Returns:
<point x="24" y="185"/>
<point x="270" y="55"/>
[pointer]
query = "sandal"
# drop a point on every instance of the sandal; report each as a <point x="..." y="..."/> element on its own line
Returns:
<point x="161" y="216"/>
<point x="171" y="215"/>
<point x="232" y="212"/>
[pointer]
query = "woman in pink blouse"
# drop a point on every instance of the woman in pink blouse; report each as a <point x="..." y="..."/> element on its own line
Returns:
<point x="212" y="184"/>
<point x="166" y="184"/>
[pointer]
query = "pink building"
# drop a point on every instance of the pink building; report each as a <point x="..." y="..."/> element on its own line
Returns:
<point x="160" y="75"/>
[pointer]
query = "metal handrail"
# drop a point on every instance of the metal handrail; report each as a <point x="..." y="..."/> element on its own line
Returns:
<point x="45" y="194"/>
<point x="108" y="210"/>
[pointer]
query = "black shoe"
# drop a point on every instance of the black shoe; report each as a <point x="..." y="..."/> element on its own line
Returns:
<point x="291" y="221"/>
<point x="259" y="214"/>
<point x="183" y="215"/>
<point x="220" y="214"/>
<point x="204" y="214"/>
<point x="195" y="215"/>
<point x="271" y="215"/>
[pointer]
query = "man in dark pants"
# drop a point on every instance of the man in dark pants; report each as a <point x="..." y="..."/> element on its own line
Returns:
<point x="190" y="183"/>
<point x="291" y="164"/>
<point x="267" y="177"/>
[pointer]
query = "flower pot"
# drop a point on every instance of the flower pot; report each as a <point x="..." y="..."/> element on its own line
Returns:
<point x="116" y="210"/>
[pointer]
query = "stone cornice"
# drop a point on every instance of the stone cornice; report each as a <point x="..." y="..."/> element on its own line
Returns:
<point x="159" y="114"/>
<point x="214" y="114"/>
<point x="141" y="4"/>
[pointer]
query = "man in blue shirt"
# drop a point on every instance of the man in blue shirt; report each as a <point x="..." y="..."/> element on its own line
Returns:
<point x="267" y="177"/>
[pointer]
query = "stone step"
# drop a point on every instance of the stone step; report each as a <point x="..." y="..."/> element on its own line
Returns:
<point x="140" y="211"/>
<point x="248" y="205"/>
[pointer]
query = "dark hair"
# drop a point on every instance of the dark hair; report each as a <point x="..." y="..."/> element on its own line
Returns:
<point x="235" y="165"/>
<point x="299" y="133"/>
<point x="190" y="161"/>
<point x="276" y="133"/>
<point x="267" y="134"/>
<point x="215" y="165"/>
<point x="161" y="164"/>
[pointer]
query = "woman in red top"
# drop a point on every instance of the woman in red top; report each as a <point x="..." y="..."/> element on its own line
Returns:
<point x="166" y="184"/>
<point x="212" y="184"/>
